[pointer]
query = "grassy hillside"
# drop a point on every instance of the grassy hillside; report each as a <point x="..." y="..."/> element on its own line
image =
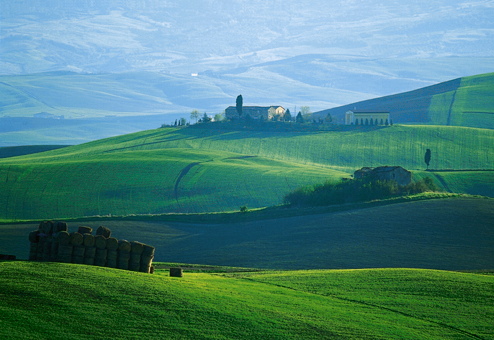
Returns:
<point x="14" y="151"/>
<point x="90" y="302"/>
<point x="201" y="169"/>
<point x="461" y="102"/>
<point x="449" y="234"/>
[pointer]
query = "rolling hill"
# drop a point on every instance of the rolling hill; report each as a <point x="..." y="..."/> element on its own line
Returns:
<point x="448" y="234"/>
<point x="89" y="302"/>
<point x="191" y="169"/>
<point x="460" y="102"/>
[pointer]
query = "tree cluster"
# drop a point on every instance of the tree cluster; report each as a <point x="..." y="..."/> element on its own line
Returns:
<point x="358" y="190"/>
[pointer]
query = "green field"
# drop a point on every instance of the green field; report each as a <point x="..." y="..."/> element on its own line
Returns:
<point x="216" y="168"/>
<point x="63" y="301"/>
<point x="450" y="234"/>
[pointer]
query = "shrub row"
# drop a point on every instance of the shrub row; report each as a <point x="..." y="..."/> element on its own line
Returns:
<point x="357" y="190"/>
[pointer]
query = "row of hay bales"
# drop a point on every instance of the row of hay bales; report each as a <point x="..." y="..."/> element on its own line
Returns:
<point x="53" y="242"/>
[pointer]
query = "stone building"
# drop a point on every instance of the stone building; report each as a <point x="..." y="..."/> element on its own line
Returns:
<point x="367" y="118"/>
<point x="385" y="173"/>
<point x="256" y="112"/>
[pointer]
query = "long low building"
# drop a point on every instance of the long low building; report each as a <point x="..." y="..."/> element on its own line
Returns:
<point x="367" y="118"/>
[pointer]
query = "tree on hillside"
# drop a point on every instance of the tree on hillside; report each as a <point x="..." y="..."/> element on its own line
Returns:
<point x="288" y="116"/>
<point x="194" y="115"/>
<point x="240" y="103"/>
<point x="306" y="113"/>
<point x="427" y="157"/>
<point x="219" y="117"/>
<point x="183" y="121"/>
<point x="206" y="118"/>
<point x="299" y="118"/>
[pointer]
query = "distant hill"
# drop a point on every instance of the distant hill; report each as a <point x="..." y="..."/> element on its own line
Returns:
<point x="464" y="101"/>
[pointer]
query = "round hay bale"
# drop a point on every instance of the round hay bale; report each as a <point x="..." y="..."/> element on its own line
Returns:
<point x="60" y="226"/>
<point x="148" y="250"/>
<point x="137" y="247"/>
<point x="85" y="230"/>
<point x="88" y="260"/>
<point x="123" y="263"/>
<point x="78" y="259"/>
<point x="100" y="262"/>
<point x="124" y="245"/>
<point x="100" y="242"/>
<point x="79" y="251"/>
<point x="134" y="266"/>
<point x="111" y="255"/>
<point x="33" y="236"/>
<point x="88" y="240"/>
<point x="46" y="227"/>
<point x="112" y="243"/>
<point x="101" y="253"/>
<point x="111" y="263"/>
<point x="76" y="239"/>
<point x="65" y="259"/>
<point x="54" y="251"/>
<point x="90" y="252"/>
<point x="103" y="231"/>
<point x="144" y="269"/>
<point x="151" y="270"/>
<point x="136" y="258"/>
<point x="63" y="238"/>
<point x="65" y="250"/>
<point x="146" y="260"/>
<point x="176" y="272"/>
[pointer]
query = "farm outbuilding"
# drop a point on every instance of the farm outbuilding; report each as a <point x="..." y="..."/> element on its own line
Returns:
<point x="385" y="173"/>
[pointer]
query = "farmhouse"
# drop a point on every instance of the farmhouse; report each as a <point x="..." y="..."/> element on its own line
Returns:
<point x="256" y="112"/>
<point x="385" y="173"/>
<point x="367" y="118"/>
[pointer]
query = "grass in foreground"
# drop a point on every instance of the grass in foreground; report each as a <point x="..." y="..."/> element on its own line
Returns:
<point x="60" y="301"/>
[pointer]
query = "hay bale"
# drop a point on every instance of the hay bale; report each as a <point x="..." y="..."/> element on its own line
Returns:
<point x="137" y="247"/>
<point x="62" y="237"/>
<point x="46" y="250"/>
<point x="100" y="242"/>
<point x="65" y="253"/>
<point x="103" y="231"/>
<point x="88" y="260"/>
<point x="146" y="262"/>
<point x="100" y="257"/>
<point x="90" y="252"/>
<point x="79" y="251"/>
<point x="76" y="239"/>
<point x="85" y="230"/>
<point x="112" y="243"/>
<point x="176" y="272"/>
<point x="124" y="245"/>
<point x="33" y="251"/>
<point x="60" y="226"/>
<point x="78" y="259"/>
<point x="123" y="258"/>
<point x="148" y="250"/>
<point x="88" y="240"/>
<point x="46" y="227"/>
<point x="54" y="251"/>
<point x="151" y="270"/>
<point x="112" y="254"/>
<point x="134" y="266"/>
<point x="111" y="263"/>
<point x="34" y="236"/>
